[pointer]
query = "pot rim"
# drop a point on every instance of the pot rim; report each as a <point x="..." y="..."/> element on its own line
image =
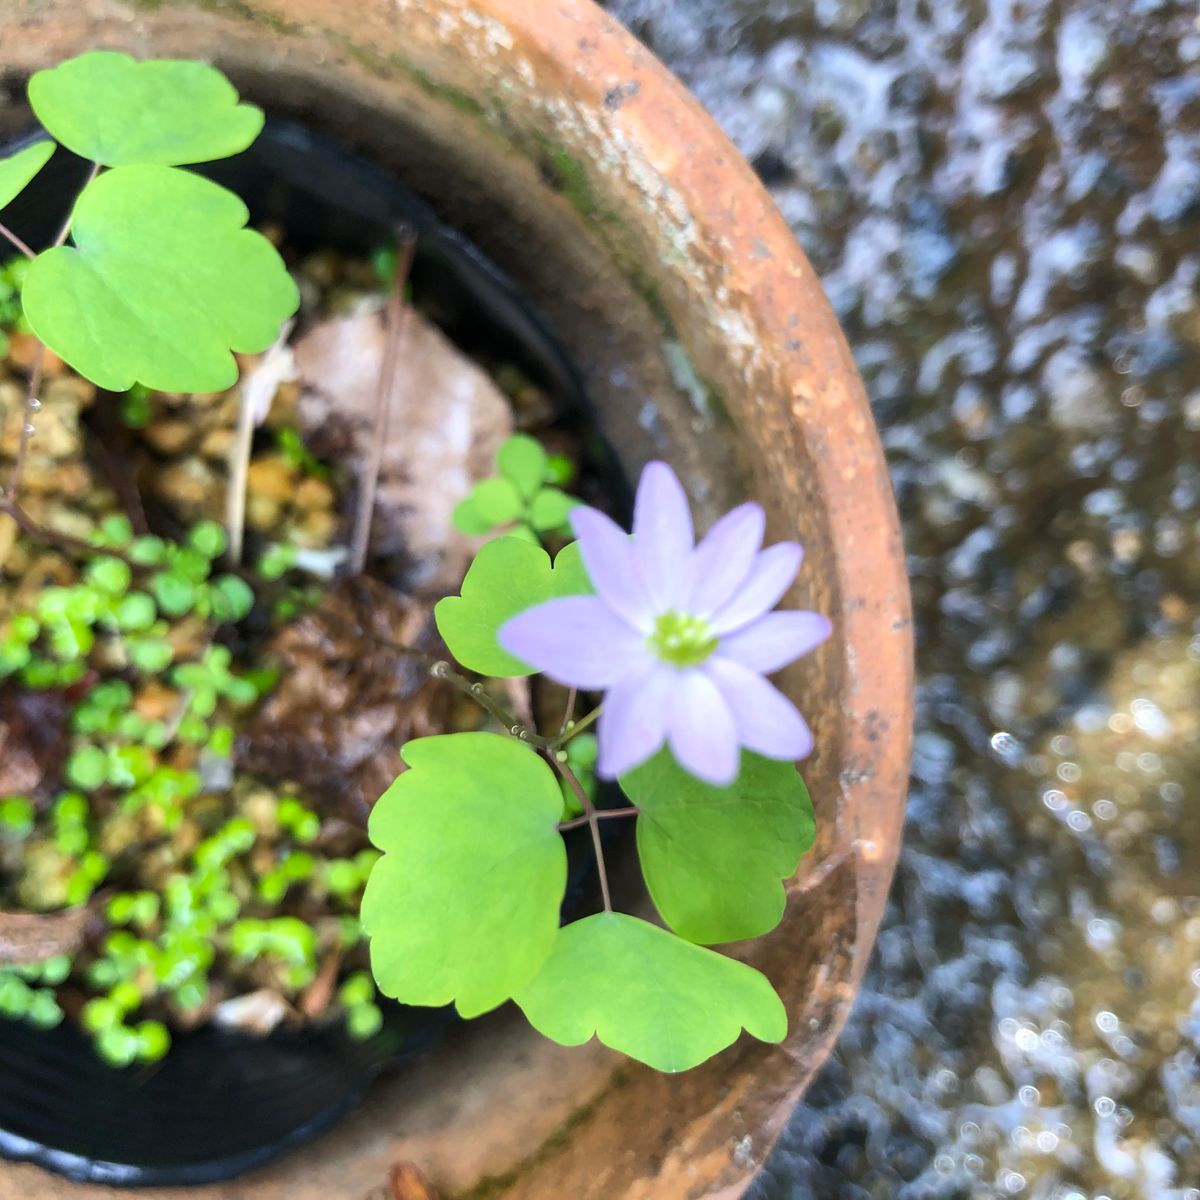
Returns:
<point x="569" y="70"/>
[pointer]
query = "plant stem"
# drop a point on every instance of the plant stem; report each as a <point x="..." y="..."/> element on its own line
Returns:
<point x="19" y="243"/>
<point x="65" y="231"/>
<point x="35" y="383"/>
<point x="568" y="712"/>
<point x="573" y="728"/>
<point x="592" y="818"/>
<point x="440" y="669"/>
<point x="395" y="322"/>
<point x="28" y="409"/>
<point x="602" y="814"/>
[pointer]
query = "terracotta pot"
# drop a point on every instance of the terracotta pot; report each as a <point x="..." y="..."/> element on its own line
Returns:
<point x="549" y="136"/>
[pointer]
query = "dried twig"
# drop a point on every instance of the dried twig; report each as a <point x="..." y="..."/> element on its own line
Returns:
<point x="258" y="391"/>
<point x="395" y="320"/>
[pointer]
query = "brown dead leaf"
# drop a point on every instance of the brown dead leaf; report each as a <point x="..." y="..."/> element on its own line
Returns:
<point x="347" y="702"/>
<point x="317" y="997"/>
<point x="35" y="937"/>
<point x="408" y="1183"/>
<point x="446" y="422"/>
<point x="33" y="740"/>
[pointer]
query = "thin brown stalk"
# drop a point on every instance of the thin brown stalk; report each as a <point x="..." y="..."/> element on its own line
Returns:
<point x="35" y="382"/>
<point x="64" y="541"/>
<point x="592" y="817"/>
<point x="602" y="814"/>
<point x="28" y="410"/>
<point x="65" y="231"/>
<point x="395" y="323"/>
<point x="19" y="243"/>
<point x="574" y="728"/>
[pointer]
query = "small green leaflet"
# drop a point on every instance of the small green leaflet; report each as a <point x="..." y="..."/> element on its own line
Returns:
<point x="522" y="461"/>
<point x="648" y="994"/>
<point x="518" y="493"/>
<point x="550" y="508"/>
<point x="715" y="858"/>
<point x="18" y="169"/>
<point x="508" y="576"/>
<point x="162" y="283"/>
<point x="463" y="906"/>
<point x="118" y="112"/>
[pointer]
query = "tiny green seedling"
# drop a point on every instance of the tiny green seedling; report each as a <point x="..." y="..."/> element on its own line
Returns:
<point x="524" y="499"/>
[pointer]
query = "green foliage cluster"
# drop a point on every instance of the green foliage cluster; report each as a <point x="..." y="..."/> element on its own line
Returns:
<point x="161" y="281"/>
<point x="27" y="993"/>
<point x="129" y="619"/>
<point x="464" y="905"/>
<point x="145" y="612"/>
<point x="524" y="498"/>
<point x="156" y="284"/>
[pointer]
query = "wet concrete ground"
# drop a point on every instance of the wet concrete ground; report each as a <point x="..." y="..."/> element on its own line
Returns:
<point x="1003" y="201"/>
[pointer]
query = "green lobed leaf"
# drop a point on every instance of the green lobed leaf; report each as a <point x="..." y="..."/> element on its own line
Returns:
<point x="522" y="461"/>
<point x="463" y="906"/>
<point x="715" y="858"/>
<point x="469" y="520"/>
<point x="18" y="169"/>
<point x="496" y="500"/>
<point x="110" y="109"/>
<point x="648" y="994"/>
<point x="163" y="282"/>
<point x="508" y="576"/>
<point x="550" y="509"/>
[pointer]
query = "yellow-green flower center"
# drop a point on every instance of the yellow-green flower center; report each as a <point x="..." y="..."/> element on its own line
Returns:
<point x="681" y="639"/>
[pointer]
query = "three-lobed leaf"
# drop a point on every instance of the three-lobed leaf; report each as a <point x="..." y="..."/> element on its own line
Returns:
<point x="715" y="858"/>
<point x="464" y="904"/>
<point x="111" y="109"/>
<point x="163" y="282"/>
<point x="17" y="170"/>
<point x="507" y="577"/>
<point x="647" y="993"/>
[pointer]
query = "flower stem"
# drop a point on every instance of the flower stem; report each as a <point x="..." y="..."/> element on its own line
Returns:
<point x="568" y="711"/>
<point x="591" y="816"/>
<point x="576" y="727"/>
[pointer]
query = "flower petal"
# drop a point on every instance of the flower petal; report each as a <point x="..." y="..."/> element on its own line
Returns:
<point x="576" y="640"/>
<point x="701" y="729"/>
<point x="775" y="640"/>
<point x="633" y="722"/>
<point x="607" y="552"/>
<point x="771" y="576"/>
<point x="662" y="535"/>
<point x="767" y="721"/>
<point x="724" y="557"/>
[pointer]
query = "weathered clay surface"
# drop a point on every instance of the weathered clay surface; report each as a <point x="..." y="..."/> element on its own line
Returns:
<point x="548" y="135"/>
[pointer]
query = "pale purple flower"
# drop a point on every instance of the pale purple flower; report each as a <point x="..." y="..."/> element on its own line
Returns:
<point x="679" y="636"/>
